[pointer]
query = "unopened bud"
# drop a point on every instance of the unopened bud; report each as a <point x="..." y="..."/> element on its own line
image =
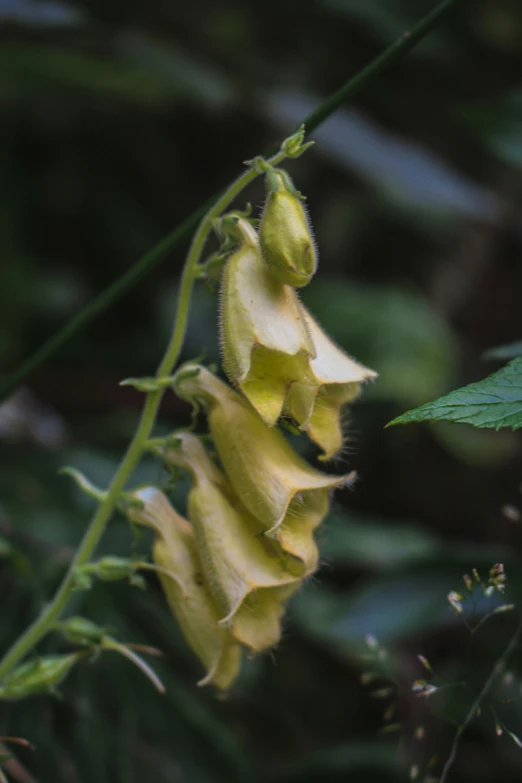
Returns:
<point x="285" y="235"/>
<point x="37" y="676"/>
<point x="78" y="630"/>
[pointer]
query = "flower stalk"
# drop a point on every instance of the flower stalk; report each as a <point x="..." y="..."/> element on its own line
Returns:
<point x="191" y="272"/>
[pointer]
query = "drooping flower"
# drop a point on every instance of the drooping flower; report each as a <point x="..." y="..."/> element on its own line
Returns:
<point x="269" y="478"/>
<point x="317" y="407"/>
<point x="249" y="575"/>
<point x="189" y="598"/>
<point x="285" y="234"/>
<point x="265" y="339"/>
<point x="275" y="352"/>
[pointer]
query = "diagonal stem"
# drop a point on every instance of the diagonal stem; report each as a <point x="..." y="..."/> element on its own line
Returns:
<point x="497" y="669"/>
<point x="403" y="44"/>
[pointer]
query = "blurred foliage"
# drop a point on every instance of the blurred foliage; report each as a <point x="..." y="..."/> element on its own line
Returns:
<point x="116" y="120"/>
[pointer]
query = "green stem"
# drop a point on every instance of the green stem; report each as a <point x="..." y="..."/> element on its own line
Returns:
<point x="403" y="44"/>
<point x="53" y="610"/>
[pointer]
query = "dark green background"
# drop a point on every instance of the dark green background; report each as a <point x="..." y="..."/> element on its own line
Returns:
<point x="117" y="119"/>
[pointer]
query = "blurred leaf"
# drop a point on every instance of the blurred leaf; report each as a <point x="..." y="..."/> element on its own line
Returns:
<point x="477" y="447"/>
<point x="195" y="79"/>
<point x="39" y="12"/>
<point x="393" y="331"/>
<point x="26" y="68"/>
<point x="6" y="549"/>
<point x="494" y="402"/>
<point x="389" y="608"/>
<point x="499" y="124"/>
<point x="393" y="606"/>
<point x="509" y="351"/>
<point x="366" y="541"/>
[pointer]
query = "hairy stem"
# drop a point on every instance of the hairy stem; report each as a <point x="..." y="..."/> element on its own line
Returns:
<point x="51" y="613"/>
<point x="403" y="44"/>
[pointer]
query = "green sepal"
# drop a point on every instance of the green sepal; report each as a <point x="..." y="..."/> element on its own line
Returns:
<point x="83" y="483"/>
<point x="40" y="675"/>
<point x="294" y="145"/>
<point x="148" y="384"/>
<point x="78" y="630"/>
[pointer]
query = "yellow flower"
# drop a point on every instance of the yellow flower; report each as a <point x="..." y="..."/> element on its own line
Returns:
<point x="286" y="238"/>
<point x="248" y="575"/>
<point x="265" y="472"/>
<point x="265" y="340"/>
<point x="175" y="552"/>
<point x="276" y="353"/>
<point x="317" y="407"/>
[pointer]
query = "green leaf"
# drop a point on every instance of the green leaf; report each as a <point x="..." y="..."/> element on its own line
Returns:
<point x="494" y="402"/>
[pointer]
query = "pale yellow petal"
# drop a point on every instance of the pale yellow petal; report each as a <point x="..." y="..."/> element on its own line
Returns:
<point x="239" y="565"/>
<point x="263" y="469"/>
<point x="175" y="552"/>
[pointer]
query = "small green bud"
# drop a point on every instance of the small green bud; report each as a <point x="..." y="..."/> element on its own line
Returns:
<point x="285" y="235"/>
<point x="78" y="630"/>
<point x="148" y="384"/>
<point x="111" y="568"/>
<point x="294" y="145"/>
<point x="83" y="483"/>
<point x="37" y="676"/>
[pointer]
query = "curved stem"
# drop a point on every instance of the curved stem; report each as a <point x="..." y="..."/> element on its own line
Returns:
<point x="403" y="44"/>
<point x="53" y="610"/>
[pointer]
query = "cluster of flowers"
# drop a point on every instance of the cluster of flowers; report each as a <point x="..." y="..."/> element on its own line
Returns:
<point x="229" y="571"/>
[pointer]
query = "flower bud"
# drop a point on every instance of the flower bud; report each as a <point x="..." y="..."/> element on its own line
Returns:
<point x="265" y="341"/>
<point x="285" y="235"/>
<point x="37" y="676"/>
<point x="317" y="407"/>
<point x="246" y="573"/>
<point x="175" y="552"/>
<point x="265" y="472"/>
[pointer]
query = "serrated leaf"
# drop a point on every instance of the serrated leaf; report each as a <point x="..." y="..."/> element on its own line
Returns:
<point x="493" y="403"/>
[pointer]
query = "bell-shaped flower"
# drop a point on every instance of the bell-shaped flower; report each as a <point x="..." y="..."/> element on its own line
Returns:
<point x="179" y="569"/>
<point x="276" y="353"/>
<point x="317" y="407"/>
<point x="265" y="341"/>
<point x="248" y="574"/>
<point x="285" y="234"/>
<point x="265" y="472"/>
